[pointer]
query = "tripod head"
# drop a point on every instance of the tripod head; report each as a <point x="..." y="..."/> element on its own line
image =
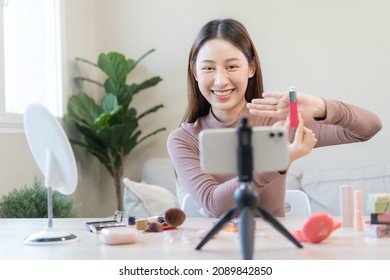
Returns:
<point x="244" y="151"/>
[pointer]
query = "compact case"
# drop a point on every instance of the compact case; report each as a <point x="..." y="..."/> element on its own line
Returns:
<point x="118" y="235"/>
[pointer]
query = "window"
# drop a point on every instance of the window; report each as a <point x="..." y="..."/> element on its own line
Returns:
<point x="30" y="59"/>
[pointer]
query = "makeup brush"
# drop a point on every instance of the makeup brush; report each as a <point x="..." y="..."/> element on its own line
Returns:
<point x="173" y="217"/>
<point x="155" y="227"/>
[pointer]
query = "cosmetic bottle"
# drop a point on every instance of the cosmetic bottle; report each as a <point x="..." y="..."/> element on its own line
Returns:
<point x="358" y="212"/>
<point x="346" y="205"/>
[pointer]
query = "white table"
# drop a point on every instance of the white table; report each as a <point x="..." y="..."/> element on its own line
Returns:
<point x="179" y="244"/>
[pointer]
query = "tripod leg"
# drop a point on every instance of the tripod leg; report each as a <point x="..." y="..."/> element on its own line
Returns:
<point x="222" y="221"/>
<point x="270" y="219"/>
<point x="247" y="233"/>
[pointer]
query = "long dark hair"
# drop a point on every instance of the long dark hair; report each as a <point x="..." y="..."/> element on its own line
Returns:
<point x="235" y="33"/>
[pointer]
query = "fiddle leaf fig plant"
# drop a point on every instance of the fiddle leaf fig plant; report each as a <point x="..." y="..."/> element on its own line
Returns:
<point x="111" y="129"/>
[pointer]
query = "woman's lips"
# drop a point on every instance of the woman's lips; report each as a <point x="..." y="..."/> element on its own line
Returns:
<point x="222" y="93"/>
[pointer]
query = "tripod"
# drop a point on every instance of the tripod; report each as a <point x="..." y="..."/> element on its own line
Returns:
<point x="246" y="200"/>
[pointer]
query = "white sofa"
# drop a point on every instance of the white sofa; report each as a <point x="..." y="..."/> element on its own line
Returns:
<point x="322" y="186"/>
<point x="158" y="189"/>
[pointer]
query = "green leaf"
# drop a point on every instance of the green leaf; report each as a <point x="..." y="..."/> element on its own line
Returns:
<point x="122" y="91"/>
<point x="135" y="88"/>
<point x="110" y="107"/>
<point x="83" y="107"/>
<point x="115" y="137"/>
<point x="91" y="136"/>
<point x="109" y="103"/>
<point x="133" y="141"/>
<point x="93" y="149"/>
<point x="151" y="110"/>
<point x="128" y="117"/>
<point x="75" y="120"/>
<point x="121" y="134"/>
<point x="115" y="66"/>
<point x="101" y="121"/>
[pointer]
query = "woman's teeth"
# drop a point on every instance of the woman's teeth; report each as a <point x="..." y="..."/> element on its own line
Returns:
<point x="222" y="93"/>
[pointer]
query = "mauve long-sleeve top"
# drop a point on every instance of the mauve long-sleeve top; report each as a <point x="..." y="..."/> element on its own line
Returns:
<point x="344" y="123"/>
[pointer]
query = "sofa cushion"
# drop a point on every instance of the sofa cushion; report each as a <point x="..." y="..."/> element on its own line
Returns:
<point x="145" y="200"/>
<point x="322" y="186"/>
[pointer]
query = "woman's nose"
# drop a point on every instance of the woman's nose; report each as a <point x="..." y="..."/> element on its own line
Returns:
<point x="220" y="78"/>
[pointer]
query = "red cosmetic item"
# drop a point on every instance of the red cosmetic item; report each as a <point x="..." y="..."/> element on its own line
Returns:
<point x="316" y="228"/>
<point x="293" y="108"/>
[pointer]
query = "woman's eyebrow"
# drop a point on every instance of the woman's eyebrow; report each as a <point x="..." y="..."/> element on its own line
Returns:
<point x="213" y="61"/>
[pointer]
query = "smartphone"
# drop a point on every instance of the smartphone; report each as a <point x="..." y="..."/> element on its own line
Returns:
<point x="218" y="149"/>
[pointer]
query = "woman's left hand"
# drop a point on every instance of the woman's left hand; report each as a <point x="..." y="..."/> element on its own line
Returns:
<point x="273" y="105"/>
<point x="276" y="105"/>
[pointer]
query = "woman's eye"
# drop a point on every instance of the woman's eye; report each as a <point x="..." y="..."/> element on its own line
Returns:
<point x="207" y="68"/>
<point x="232" y="67"/>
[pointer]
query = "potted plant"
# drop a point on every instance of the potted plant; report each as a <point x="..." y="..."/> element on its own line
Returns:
<point x="31" y="202"/>
<point x="111" y="129"/>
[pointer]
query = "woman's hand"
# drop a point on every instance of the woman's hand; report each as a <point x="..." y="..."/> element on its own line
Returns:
<point x="303" y="143"/>
<point x="276" y="105"/>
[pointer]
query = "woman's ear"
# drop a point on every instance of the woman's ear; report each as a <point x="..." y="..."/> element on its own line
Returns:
<point x="193" y="70"/>
<point x="252" y="69"/>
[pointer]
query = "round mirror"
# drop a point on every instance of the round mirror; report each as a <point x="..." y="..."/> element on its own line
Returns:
<point x="54" y="156"/>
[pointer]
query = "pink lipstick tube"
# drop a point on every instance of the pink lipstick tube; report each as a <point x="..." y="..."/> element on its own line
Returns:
<point x="293" y="108"/>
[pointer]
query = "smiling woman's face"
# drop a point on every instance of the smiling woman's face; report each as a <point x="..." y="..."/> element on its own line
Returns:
<point x="222" y="72"/>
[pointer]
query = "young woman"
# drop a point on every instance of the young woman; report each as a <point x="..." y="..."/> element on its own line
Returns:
<point x="225" y="85"/>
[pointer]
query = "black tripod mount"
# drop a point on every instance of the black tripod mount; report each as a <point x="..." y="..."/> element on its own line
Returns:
<point x="246" y="201"/>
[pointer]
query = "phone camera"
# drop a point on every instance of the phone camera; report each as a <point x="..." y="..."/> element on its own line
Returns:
<point x="271" y="134"/>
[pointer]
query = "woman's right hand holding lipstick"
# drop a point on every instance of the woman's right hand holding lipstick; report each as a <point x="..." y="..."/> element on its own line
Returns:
<point x="303" y="142"/>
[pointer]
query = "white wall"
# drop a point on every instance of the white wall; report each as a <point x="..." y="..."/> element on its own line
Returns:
<point x="334" y="49"/>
